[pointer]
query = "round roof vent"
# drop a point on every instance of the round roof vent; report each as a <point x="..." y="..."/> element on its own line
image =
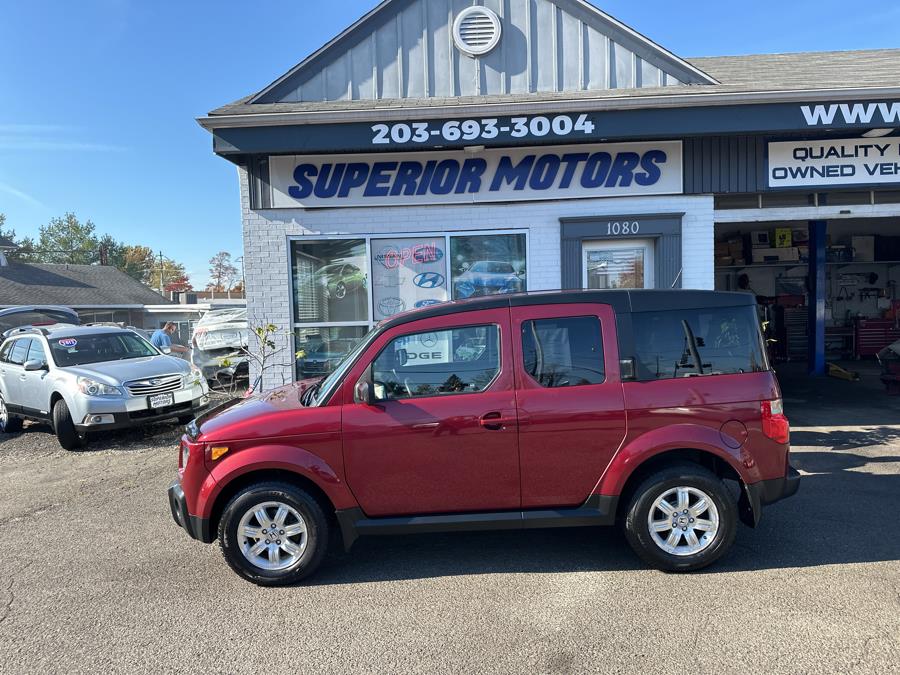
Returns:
<point x="476" y="31"/>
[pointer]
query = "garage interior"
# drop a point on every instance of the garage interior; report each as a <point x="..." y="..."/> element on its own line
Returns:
<point x="829" y="288"/>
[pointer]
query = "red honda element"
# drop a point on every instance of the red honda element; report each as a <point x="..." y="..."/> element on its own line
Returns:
<point x="510" y="412"/>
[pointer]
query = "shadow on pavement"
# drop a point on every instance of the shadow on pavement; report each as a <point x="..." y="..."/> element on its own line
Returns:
<point x="842" y="514"/>
<point x="844" y="439"/>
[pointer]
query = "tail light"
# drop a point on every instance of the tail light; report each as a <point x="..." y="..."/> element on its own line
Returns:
<point x="774" y="424"/>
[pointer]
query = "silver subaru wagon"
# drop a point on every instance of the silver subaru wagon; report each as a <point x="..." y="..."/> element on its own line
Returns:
<point x="84" y="380"/>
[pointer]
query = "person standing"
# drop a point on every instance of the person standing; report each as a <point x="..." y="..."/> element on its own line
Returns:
<point x="162" y="340"/>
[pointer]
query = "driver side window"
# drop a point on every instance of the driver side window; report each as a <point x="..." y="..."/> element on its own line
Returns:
<point x="438" y="363"/>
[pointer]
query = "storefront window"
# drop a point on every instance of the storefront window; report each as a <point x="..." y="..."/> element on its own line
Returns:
<point x="320" y="350"/>
<point x="407" y="273"/>
<point x="330" y="281"/>
<point x="487" y="265"/>
<point x="343" y="287"/>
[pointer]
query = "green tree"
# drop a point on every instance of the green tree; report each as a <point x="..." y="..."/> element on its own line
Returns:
<point x="67" y="240"/>
<point x="25" y="245"/>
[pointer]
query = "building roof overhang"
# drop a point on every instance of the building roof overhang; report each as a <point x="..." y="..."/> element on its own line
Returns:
<point x="697" y="96"/>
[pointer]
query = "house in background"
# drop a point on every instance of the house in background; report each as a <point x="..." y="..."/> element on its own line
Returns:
<point x="96" y="292"/>
<point x="100" y="293"/>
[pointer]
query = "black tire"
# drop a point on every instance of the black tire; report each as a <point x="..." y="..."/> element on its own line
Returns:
<point x="317" y="533"/>
<point x="66" y="434"/>
<point x="13" y="424"/>
<point x="637" y="528"/>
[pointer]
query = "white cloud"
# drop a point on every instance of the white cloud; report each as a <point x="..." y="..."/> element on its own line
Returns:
<point x="24" y="196"/>
<point x="16" y="137"/>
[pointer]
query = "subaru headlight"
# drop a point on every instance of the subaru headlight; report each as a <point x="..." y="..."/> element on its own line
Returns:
<point x="91" y="387"/>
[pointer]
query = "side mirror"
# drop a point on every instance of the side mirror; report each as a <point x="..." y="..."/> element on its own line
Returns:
<point x="31" y="366"/>
<point x="166" y="350"/>
<point x="363" y="393"/>
<point x="627" y="370"/>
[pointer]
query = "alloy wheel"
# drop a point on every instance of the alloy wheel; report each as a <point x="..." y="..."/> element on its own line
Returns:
<point x="273" y="536"/>
<point x="683" y="521"/>
<point x="4" y="415"/>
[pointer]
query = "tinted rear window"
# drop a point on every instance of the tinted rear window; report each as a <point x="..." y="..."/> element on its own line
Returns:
<point x="726" y="340"/>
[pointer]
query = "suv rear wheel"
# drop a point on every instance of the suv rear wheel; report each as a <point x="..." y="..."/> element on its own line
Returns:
<point x="66" y="433"/>
<point x="681" y="519"/>
<point x="273" y="534"/>
<point x="9" y="424"/>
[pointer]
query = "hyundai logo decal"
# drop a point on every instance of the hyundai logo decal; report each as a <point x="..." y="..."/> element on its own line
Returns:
<point x="429" y="280"/>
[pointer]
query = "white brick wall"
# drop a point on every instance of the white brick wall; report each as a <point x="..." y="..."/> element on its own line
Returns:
<point x="266" y="234"/>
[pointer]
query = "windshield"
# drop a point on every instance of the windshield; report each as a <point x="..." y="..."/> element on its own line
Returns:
<point x="324" y="389"/>
<point x="83" y="349"/>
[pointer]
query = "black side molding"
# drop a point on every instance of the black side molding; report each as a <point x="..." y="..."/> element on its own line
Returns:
<point x="597" y="510"/>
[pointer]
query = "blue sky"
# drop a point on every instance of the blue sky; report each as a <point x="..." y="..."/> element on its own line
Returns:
<point x="98" y="97"/>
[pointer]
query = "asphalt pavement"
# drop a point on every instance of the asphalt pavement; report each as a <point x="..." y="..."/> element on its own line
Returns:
<point x="95" y="576"/>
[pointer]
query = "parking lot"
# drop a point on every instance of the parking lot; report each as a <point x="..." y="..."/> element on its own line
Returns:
<point x="94" y="575"/>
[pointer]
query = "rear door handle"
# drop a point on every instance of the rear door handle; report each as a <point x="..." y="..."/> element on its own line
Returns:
<point x="494" y="421"/>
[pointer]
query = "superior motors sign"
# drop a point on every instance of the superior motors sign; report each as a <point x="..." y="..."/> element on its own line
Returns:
<point x="460" y="177"/>
<point x="855" y="161"/>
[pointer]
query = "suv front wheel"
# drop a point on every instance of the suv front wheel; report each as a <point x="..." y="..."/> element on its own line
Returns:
<point x="681" y="519"/>
<point x="66" y="433"/>
<point x="273" y="534"/>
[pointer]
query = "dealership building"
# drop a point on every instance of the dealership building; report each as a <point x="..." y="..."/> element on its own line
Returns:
<point x="445" y="149"/>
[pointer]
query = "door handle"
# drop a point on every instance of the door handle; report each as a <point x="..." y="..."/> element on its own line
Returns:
<point x="494" y="421"/>
<point x="426" y="426"/>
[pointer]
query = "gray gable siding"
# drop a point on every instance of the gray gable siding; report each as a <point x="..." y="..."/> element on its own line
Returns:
<point x="404" y="49"/>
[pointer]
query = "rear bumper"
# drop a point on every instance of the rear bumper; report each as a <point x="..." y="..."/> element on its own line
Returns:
<point x="765" y="492"/>
<point x="197" y="528"/>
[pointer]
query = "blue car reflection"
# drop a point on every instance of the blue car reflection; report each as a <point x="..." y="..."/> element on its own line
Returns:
<point x="488" y="277"/>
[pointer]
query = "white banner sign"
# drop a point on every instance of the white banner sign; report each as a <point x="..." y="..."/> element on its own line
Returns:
<point x="854" y="161"/>
<point x="460" y="177"/>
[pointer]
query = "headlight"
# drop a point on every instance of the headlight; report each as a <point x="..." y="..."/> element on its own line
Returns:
<point x="194" y="379"/>
<point x="93" y="388"/>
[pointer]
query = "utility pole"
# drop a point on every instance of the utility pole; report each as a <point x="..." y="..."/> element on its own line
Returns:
<point x="161" y="289"/>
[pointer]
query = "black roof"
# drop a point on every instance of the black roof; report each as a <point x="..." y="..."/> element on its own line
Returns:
<point x="72" y="286"/>
<point x="622" y="301"/>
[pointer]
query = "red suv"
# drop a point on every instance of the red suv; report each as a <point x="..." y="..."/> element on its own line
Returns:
<point x="511" y="412"/>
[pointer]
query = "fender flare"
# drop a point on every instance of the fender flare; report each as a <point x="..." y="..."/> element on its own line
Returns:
<point x="273" y="457"/>
<point x="637" y="451"/>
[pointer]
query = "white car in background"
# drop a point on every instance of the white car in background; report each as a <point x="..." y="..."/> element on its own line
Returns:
<point x="221" y="337"/>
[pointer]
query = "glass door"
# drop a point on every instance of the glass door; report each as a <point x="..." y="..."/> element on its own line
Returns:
<point x="618" y="264"/>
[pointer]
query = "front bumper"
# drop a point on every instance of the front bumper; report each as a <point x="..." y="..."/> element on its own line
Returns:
<point x="765" y="492"/>
<point x="134" y="411"/>
<point x="197" y="528"/>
